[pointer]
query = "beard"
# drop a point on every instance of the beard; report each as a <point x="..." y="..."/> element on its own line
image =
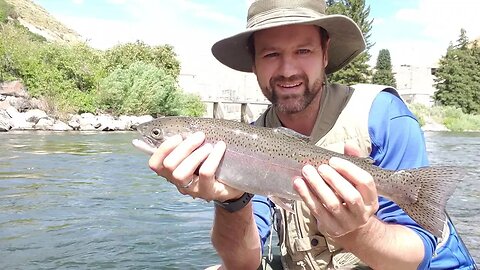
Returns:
<point x="295" y="102"/>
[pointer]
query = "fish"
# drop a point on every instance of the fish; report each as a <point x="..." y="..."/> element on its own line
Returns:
<point x="265" y="161"/>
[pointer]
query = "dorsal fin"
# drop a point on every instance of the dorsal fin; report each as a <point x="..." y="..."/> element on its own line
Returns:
<point x="292" y="134"/>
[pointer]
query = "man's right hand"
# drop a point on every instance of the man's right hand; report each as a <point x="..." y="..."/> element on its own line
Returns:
<point x="177" y="160"/>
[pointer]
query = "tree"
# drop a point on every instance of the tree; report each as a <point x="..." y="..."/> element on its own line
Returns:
<point x="163" y="57"/>
<point x="458" y="76"/>
<point x="358" y="70"/>
<point x="383" y="70"/>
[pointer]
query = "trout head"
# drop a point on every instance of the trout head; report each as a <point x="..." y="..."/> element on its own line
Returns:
<point x="156" y="131"/>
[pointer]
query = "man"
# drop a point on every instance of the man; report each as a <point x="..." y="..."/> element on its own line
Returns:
<point x="342" y="223"/>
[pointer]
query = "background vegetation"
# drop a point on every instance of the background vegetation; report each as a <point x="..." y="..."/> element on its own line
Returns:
<point x="383" y="70"/>
<point x="453" y="118"/>
<point x="458" y="76"/>
<point x="132" y="78"/>
<point x="358" y="71"/>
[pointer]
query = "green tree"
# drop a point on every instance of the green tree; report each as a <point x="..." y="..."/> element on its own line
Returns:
<point x="143" y="88"/>
<point x="163" y="57"/>
<point x="383" y="70"/>
<point x="458" y="76"/>
<point x="358" y="70"/>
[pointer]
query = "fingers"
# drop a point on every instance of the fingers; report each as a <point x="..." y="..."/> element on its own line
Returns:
<point x="321" y="190"/>
<point x="183" y="149"/>
<point x="362" y="180"/>
<point x="156" y="160"/>
<point x="349" y="195"/>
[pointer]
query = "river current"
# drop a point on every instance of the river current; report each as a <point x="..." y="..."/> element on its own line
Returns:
<point x="89" y="201"/>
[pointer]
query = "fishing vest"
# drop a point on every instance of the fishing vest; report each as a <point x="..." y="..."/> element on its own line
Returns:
<point x="342" y="119"/>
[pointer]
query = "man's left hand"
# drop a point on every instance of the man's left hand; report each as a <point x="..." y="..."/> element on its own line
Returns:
<point x="341" y="196"/>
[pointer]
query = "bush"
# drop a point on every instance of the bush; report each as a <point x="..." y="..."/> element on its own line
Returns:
<point x="453" y="118"/>
<point x="193" y="106"/>
<point x="140" y="89"/>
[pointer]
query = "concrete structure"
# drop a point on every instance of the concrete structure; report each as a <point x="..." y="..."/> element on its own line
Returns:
<point x="415" y="83"/>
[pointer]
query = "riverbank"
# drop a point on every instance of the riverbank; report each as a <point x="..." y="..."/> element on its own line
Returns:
<point x="20" y="112"/>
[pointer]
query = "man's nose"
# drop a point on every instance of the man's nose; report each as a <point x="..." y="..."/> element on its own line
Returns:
<point x="288" y="67"/>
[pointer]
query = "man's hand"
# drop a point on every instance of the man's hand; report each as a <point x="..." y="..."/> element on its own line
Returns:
<point x="177" y="160"/>
<point x="341" y="196"/>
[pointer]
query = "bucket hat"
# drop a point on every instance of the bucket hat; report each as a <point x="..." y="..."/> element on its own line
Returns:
<point x="346" y="39"/>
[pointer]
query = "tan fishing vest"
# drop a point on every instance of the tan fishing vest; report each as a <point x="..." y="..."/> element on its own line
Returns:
<point x="343" y="118"/>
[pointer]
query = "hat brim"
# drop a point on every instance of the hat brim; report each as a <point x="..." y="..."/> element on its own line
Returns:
<point x="346" y="42"/>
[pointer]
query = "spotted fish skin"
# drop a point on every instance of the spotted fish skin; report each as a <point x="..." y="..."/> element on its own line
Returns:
<point x="265" y="161"/>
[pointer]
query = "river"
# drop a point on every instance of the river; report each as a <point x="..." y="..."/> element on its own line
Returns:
<point x="88" y="200"/>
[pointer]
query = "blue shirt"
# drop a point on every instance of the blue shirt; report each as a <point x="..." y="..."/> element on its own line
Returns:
<point x="397" y="143"/>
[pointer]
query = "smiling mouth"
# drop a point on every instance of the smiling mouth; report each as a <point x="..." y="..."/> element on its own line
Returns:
<point x="289" y="85"/>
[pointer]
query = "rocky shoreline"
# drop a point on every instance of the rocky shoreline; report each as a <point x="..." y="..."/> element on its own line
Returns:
<point x="20" y="112"/>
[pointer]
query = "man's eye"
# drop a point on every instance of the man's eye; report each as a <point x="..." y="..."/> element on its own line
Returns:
<point x="270" y="55"/>
<point x="304" y="51"/>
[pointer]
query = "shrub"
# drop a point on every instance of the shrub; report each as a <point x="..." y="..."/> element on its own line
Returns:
<point x="140" y="89"/>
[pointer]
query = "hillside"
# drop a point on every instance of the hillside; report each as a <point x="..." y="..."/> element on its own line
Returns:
<point x="40" y="22"/>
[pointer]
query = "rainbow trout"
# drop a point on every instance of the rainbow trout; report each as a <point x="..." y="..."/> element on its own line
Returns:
<point x="265" y="161"/>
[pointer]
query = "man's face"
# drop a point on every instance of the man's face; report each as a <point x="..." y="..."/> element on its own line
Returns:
<point x="290" y="65"/>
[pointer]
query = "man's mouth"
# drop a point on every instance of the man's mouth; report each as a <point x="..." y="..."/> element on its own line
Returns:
<point x="289" y="85"/>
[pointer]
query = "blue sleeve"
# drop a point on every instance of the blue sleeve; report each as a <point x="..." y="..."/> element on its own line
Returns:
<point x="262" y="213"/>
<point x="398" y="143"/>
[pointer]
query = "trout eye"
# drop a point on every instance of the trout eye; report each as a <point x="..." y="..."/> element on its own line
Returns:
<point x="156" y="133"/>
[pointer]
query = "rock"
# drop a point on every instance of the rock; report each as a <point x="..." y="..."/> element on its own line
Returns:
<point x="14" y="89"/>
<point x="74" y="121"/>
<point x="61" y="126"/>
<point x="39" y="104"/>
<point x="137" y="120"/>
<point x="88" y="122"/>
<point x="106" y="123"/>
<point x="5" y="121"/>
<point x="45" y="123"/>
<point x="434" y="127"/>
<point x="35" y="115"/>
<point x="20" y="103"/>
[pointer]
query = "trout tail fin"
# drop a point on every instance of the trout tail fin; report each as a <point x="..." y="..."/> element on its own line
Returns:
<point x="436" y="186"/>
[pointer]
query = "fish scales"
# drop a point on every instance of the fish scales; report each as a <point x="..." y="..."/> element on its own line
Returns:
<point x="265" y="161"/>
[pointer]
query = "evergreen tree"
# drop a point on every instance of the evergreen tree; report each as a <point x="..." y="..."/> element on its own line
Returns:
<point x="458" y="76"/>
<point x="358" y="70"/>
<point x="383" y="70"/>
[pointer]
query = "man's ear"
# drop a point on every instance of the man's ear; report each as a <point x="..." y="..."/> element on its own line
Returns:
<point x="325" y="53"/>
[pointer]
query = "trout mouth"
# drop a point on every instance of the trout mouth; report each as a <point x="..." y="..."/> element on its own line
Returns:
<point x="151" y="141"/>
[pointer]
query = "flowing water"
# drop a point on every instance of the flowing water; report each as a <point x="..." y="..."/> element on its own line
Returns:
<point x="89" y="201"/>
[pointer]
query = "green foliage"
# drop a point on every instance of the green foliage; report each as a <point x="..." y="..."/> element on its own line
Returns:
<point x="358" y="70"/>
<point x="6" y="10"/>
<point x="458" y="76"/>
<point x="133" y="78"/>
<point x="383" y="74"/>
<point x="193" y="106"/>
<point x="143" y="88"/>
<point x="453" y="118"/>
<point x="163" y="57"/>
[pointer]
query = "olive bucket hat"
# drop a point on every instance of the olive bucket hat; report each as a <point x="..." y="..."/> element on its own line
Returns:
<point x="346" y="39"/>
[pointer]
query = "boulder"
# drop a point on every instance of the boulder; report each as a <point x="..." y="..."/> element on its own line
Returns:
<point x="20" y="103"/>
<point x="107" y="123"/>
<point x="88" y="122"/>
<point x="14" y="89"/>
<point x="5" y="121"/>
<point x="35" y="115"/>
<point x="61" y="126"/>
<point x="74" y="121"/>
<point x="45" y="123"/>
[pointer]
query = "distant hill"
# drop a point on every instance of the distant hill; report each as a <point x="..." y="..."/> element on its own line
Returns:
<point x="39" y="21"/>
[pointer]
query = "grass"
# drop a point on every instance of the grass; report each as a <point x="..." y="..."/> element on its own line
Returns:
<point x="452" y="118"/>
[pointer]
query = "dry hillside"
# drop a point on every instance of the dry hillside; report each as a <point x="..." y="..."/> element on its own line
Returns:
<point x="39" y="21"/>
